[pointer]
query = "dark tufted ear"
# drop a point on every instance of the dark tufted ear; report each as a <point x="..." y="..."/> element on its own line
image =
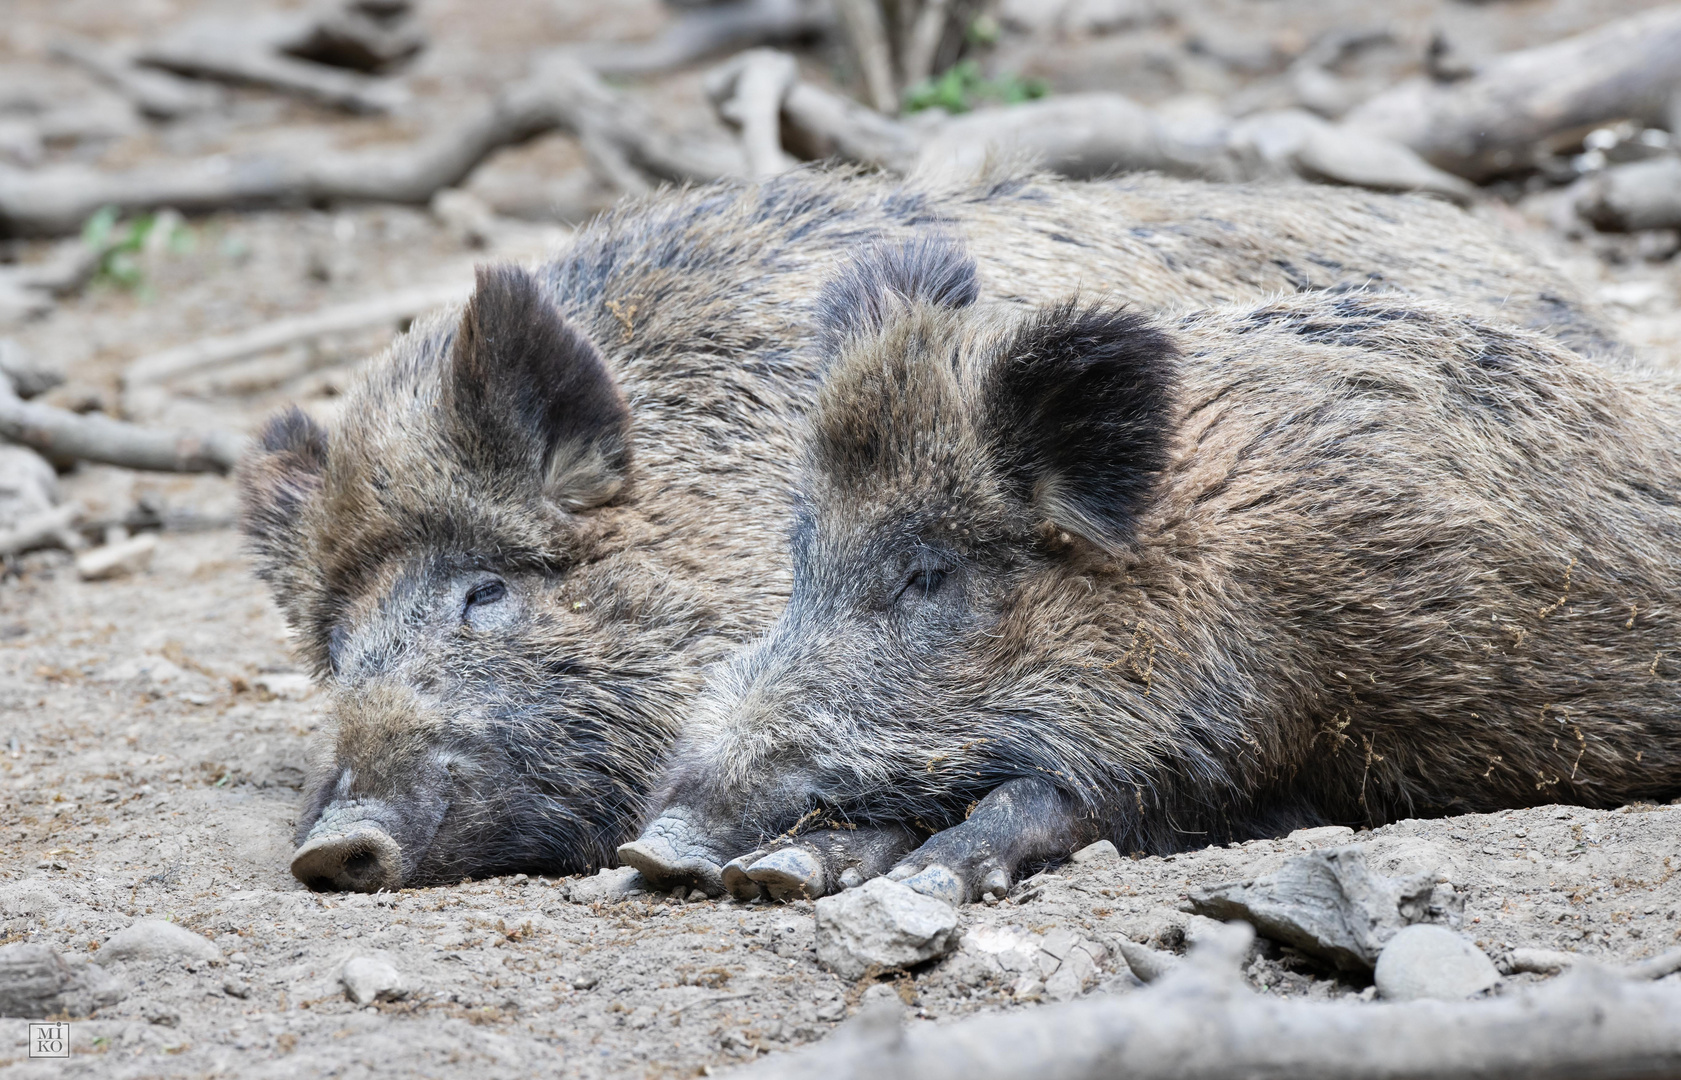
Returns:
<point x="529" y="392"/>
<point x="858" y="300"/>
<point x="1078" y="408"/>
<point x="277" y="479"/>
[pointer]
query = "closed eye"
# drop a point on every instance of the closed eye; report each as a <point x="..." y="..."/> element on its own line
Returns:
<point x="920" y="583"/>
<point x="486" y="592"/>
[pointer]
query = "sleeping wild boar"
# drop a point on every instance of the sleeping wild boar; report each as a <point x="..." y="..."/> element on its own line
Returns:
<point x="541" y="515"/>
<point x="1075" y="574"/>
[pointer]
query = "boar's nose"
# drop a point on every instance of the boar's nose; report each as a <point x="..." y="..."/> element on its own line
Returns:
<point x="362" y="859"/>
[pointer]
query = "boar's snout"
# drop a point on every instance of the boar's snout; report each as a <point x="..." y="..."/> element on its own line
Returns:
<point x="363" y="858"/>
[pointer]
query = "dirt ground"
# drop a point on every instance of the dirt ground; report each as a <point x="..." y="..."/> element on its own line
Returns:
<point x="152" y="728"/>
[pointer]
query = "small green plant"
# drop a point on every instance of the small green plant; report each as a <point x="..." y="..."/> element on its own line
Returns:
<point x="120" y="244"/>
<point x="961" y="87"/>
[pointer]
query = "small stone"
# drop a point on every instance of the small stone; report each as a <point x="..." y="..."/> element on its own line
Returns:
<point x="1541" y="961"/>
<point x="885" y="925"/>
<point x="154" y="939"/>
<point x="1101" y="852"/>
<point x="117" y="560"/>
<point x="367" y="979"/>
<point x="1425" y="961"/>
<point x="238" y="988"/>
<point x="614" y="883"/>
<point x="1028" y="988"/>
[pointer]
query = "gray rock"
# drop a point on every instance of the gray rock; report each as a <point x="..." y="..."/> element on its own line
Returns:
<point x="615" y="883"/>
<point x="367" y="979"/>
<point x="1327" y="903"/>
<point x="36" y="982"/>
<point x="1101" y="852"/>
<point x="884" y="925"/>
<point x="154" y="939"/>
<point x="1432" y="962"/>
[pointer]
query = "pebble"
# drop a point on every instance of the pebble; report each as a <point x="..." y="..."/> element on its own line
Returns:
<point x="1425" y="961"/>
<point x="367" y="979"/>
<point x="882" y="924"/>
<point x="238" y="988"/>
<point x="1101" y="852"/>
<point x="154" y="939"/>
<point x="116" y="560"/>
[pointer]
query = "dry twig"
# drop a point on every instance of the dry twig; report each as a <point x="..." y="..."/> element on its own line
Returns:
<point x="1493" y="121"/>
<point x="66" y="436"/>
<point x="1198" y="1022"/>
<point x="558" y="95"/>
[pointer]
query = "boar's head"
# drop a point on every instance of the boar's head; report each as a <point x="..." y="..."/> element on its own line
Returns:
<point x="445" y="560"/>
<point x="963" y="467"/>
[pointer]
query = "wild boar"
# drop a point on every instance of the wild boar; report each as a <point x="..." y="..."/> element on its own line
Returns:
<point x="538" y="518"/>
<point x="1078" y="574"/>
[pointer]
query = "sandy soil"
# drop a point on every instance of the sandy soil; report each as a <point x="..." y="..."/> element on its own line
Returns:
<point x="152" y="728"/>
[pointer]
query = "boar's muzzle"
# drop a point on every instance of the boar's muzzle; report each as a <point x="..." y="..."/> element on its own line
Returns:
<point x="363" y="858"/>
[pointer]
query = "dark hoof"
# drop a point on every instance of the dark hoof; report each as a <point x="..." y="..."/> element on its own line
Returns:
<point x="664" y="867"/>
<point x="736" y="880"/>
<point x="938" y="882"/>
<point x="790" y="874"/>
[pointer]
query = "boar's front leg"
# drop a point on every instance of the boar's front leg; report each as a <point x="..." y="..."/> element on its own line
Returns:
<point x="1019" y="823"/>
<point x="818" y="863"/>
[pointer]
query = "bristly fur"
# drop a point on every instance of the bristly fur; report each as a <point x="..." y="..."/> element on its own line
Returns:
<point x="1384" y="559"/>
<point x="933" y="269"/>
<point x="701" y="305"/>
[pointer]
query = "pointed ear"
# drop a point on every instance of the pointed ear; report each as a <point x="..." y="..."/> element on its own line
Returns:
<point x="277" y="479"/>
<point x="882" y="279"/>
<point x="1079" y="407"/>
<point x="529" y="392"/>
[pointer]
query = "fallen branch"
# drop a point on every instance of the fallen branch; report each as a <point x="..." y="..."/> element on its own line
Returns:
<point x="1492" y="122"/>
<point x="867" y="34"/>
<point x="62" y="435"/>
<point x="1199" y="1021"/>
<point x="1078" y="135"/>
<point x="558" y="95"/>
<point x="698" y="33"/>
<point x="1627" y="198"/>
<point x="748" y="92"/>
<point x="231" y="54"/>
<point x="213" y="352"/>
<point x="321" y="55"/>
<point x="824" y="124"/>
<point x="155" y="93"/>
